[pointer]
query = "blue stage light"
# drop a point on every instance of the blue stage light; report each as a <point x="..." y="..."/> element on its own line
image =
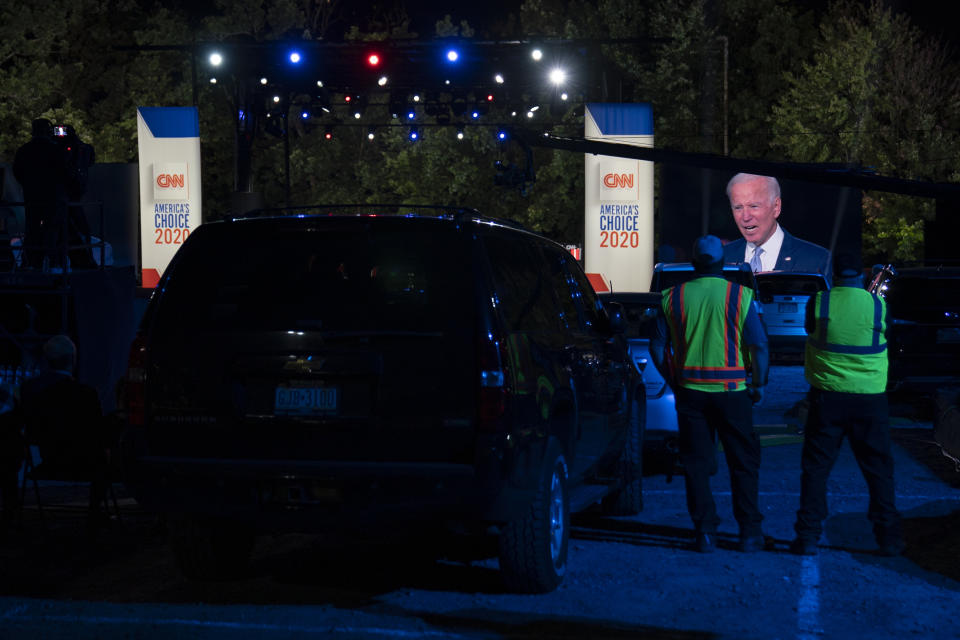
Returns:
<point x="414" y="134"/>
<point x="452" y="55"/>
<point x="294" y="57"/>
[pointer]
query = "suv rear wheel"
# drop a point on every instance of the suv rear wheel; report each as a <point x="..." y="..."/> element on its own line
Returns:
<point x="533" y="548"/>
<point x="627" y="500"/>
<point x="209" y="549"/>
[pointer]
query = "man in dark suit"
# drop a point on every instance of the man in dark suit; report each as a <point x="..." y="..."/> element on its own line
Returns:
<point x="766" y="246"/>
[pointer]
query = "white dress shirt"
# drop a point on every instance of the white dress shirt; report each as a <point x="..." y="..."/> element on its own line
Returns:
<point x="771" y="250"/>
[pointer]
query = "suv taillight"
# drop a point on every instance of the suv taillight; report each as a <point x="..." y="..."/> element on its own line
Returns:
<point x="492" y="397"/>
<point x="134" y="381"/>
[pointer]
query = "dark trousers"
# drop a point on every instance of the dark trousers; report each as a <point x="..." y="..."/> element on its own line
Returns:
<point x="44" y="233"/>
<point x="864" y="419"/>
<point x="702" y="416"/>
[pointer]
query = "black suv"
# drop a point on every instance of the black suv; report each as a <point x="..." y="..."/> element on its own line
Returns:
<point x="923" y="333"/>
<point x="325" y="369"/>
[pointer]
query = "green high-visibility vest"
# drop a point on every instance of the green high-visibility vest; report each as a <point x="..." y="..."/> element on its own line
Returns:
<point x="847" y="350"/>
<point x="706" y="317"/>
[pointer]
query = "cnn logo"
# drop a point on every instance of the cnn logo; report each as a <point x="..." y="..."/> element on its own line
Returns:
<point x="170" y="181"/>
<point x="618" y="180"/>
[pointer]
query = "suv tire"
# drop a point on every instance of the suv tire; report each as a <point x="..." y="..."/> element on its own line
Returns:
<point x="627" y="500"/>
<point x="208" y="549"/>
<point x="533" y="548"/>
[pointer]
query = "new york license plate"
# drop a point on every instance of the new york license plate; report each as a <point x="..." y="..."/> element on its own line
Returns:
<point x="305" y="401"/>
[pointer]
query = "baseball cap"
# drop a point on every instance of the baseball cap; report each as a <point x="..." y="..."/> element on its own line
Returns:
<point x="846" y="265"/>
<point x="707" y="250"/>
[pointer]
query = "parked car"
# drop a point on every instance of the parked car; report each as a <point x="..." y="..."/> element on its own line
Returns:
<point x="923" y="333"/>
<point x="660" y="439"/>
<point x="324" y="368"/>
<point x="784" y="296"/>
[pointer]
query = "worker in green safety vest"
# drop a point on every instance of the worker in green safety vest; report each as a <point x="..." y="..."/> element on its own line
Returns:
<point x="708" y="337"/>
<point x="845" y="363"/>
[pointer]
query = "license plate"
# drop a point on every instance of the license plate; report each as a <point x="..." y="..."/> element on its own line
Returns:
<point x="305" y="401"/>
<point x="787" y="307"/>
<point x="950" y="335"/>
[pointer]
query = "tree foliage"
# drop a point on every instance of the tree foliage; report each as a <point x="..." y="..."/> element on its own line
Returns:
<point x="857" y="84"/>
<point x="881" y="94"/>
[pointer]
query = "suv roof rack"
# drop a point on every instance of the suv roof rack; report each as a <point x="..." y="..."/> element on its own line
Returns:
<point x="396" y="209"/>
<point x="457" y="213"/>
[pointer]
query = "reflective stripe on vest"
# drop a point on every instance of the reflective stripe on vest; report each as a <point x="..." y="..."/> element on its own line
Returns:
<point x="819" y="337"/>
<point x="847" y="350"/>
<point x="718" y="363"/>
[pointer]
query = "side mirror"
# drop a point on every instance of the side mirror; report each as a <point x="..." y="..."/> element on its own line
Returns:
<point x="617" y="316"/>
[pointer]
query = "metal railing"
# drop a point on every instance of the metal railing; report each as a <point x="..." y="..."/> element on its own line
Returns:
<point x="63" y="247"/>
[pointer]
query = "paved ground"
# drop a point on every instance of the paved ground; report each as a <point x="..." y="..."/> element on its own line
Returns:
<point x="628" y="577"/>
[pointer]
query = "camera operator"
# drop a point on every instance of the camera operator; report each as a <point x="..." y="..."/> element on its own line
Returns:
<point x="40" y="166"/>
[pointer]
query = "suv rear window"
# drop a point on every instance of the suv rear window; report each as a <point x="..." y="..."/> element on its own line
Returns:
<point x="525" y="292"/>
<point x="335" y="275"/>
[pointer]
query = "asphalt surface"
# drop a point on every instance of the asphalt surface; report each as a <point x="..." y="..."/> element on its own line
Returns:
<point x="627" y="577"/>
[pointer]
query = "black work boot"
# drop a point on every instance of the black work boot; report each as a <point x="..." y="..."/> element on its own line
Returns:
<point x="706" y="542"/>
<point x="804" y="547"/>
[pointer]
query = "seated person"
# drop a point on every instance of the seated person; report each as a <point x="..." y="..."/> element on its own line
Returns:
<point x="62" y="416"/>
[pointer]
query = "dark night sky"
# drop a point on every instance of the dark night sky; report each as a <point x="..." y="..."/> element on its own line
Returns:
<point x="936" y="17"/>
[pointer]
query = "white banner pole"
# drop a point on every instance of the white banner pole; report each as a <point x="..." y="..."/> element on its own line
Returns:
<point x="169" y="151"/>
<point x="618" y="240"/>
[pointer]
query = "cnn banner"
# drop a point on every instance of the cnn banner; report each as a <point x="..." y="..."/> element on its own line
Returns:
<point x="618" y="246"/>
<point x="169" y="146"/>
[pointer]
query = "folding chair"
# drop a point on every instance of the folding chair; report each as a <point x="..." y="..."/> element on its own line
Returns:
<point x="35" y="473"/>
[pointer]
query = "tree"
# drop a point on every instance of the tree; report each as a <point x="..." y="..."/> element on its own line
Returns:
<point x="881" y="94"/>
<point x="766" y="40"/>
<point x="64" y="61"/>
